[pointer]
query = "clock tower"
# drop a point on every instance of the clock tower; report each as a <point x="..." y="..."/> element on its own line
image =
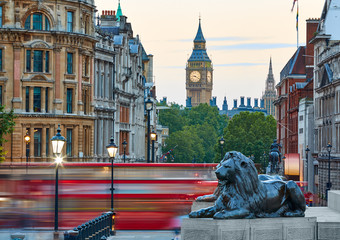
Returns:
<point x="199" y="72"/>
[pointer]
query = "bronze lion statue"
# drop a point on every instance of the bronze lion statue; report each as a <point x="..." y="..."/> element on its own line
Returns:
<point x="241" y="193"/>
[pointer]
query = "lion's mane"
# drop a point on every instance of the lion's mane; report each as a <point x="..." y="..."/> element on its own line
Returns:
<point x="246" y="184"/>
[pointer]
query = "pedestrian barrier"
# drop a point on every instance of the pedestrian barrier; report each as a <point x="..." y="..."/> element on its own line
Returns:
<point x="96" y="229"/>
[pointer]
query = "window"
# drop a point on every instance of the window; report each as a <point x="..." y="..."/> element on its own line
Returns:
<point x="69" y="100"/>
<point x="37" y="99"/>
<point x="69" y="63"/>
<point x="37" y="61"/>
<point x="70" y="21"/>
<point x="27" y="99"/>
<point x="0" y="16"/>
<point x="69" y="142"/>
<point x="0" y="95"/>
<point x="85" y="101"/>
<point x="37" y="21"/>
<point x="1" y="60"/>
<point x="47" y="61"/>
<point x="28" y="60"/>
<point x="37" y="142"/>
<point x="46" y="100"/>
<point x="47" y="24"/>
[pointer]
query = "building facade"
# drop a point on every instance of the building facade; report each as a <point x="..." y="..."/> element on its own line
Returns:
<point x="269" y="94"/>
<point x="123" y="71"/>
<point x="47" y="76"/>
<point x="199" y="72"/>
<point x="327" y="98"/>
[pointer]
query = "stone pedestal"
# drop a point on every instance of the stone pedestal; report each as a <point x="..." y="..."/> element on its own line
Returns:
<point x="250" y="229"/>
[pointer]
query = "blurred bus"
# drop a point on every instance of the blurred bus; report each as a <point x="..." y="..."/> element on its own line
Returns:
<point x="146" y="196"/>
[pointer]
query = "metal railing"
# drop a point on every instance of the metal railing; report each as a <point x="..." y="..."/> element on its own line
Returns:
<point x="99" y="228"/>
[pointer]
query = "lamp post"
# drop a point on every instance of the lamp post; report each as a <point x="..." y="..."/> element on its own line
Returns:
<point x="221" y="144"/>
<point x="57" y="147"/>
<point x="264" y="162"/>
<point x="148" y="106"/>
<point x="329" y="184"/>
<point x="307" y="152"/>
<point x="27" y="139"/>
<point x="153" y="136"/>
<point x="124" y="147"/>
<point x="112" y="150"/>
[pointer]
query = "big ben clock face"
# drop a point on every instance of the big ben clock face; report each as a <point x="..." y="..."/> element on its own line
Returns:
<point x="209" y="77"/>
<point x="195" y="76"/>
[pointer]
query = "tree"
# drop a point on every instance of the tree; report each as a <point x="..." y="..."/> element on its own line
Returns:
<point x="250" y="134"/>
<point x="6" y="127"/>
<point x="194" y="132"/>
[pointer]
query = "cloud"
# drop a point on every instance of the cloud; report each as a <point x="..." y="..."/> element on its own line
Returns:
<point x="245" y="64"/>
<point x="252" y="46"/>
<point x="215" y="39"/>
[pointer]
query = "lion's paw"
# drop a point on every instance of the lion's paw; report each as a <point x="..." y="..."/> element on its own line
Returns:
<point x="220" y="215"/>
<point x="193" y="215"/>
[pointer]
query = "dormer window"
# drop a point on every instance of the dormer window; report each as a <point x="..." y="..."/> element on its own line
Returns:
<point x="37" y="21"/>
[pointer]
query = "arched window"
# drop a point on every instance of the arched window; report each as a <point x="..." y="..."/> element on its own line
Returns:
<point x="37" y="21"/>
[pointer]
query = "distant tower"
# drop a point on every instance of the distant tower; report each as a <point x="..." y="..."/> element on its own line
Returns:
<point x="270" y="92"/>
<point x="199" y="72"/>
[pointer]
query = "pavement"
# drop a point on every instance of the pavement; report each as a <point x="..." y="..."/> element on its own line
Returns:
<point x="147" y="235"/>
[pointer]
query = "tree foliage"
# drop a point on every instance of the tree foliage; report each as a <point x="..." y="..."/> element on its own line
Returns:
<point x="249" y="133"/>
<point x="192" y="132"/>
<point x="6" y="127"/>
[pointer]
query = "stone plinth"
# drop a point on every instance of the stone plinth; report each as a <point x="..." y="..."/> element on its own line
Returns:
<point x="249" y="229"/>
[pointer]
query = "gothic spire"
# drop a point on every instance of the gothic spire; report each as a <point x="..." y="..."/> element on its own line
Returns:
<point x="199" y="36"/>
<point x="119" y="11"/>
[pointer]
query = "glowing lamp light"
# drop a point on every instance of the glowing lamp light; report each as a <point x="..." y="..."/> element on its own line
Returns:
<point x="153" y="136"/>
<point x="59" y="160"/>
<point x="27" y="138"/>
<point x="112" y="148"/>
<point x="58" y="142"/>
<point x="149" y="104"/>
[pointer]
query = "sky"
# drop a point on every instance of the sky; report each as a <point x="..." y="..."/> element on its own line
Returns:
<point x="241" y="37"/>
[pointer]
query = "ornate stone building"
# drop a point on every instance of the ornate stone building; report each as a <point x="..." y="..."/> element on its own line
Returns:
<point x="327" y="97"/>
<point x="123" y="78"/>
<point x="47" y="75"/>
<point x="269" y="94"/>
<point x="199" y="72"/>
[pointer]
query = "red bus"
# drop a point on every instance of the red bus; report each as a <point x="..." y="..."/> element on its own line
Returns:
<point x="146" y="196"/>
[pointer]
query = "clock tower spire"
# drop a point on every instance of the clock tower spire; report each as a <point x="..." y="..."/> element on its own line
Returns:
<point x="199" y="77"/>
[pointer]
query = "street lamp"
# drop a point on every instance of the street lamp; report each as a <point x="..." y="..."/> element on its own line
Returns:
<point x="307" y="152"/>
<point x="57" y="146"/>
<point x="112" y="150"/>
<point x="148" y="106"/>
<point x="124" y="147"/>
<point x="221" y="144"/>
<point x="153" y="136"/>
<point x="27" y="139"/>
<point x="329" y="184"/>
<point x="264" y="162"/>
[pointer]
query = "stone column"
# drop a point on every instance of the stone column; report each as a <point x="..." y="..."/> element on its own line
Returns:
<point x="51" y="134"/>
<point x="57" y="87"/>
<point x="75" y="140"/>
<point x="31" y="142"/>
<point x="80" y="77"/>
<point x="23" y="105"/>
<point x="17" y="74"/>
<point x="43" y="142"/>
<point x="43" y="99"/>
<point x="31" y="99"/>
<point x="80" y="138"/>
<point x="50" y="98"/>
<point x="24" y="126"/>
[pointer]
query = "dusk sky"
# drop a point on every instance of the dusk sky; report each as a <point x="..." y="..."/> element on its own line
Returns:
<point x="241" y="37"/>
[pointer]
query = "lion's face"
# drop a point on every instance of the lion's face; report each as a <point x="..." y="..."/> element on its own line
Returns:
<point x="232" y="164"/>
